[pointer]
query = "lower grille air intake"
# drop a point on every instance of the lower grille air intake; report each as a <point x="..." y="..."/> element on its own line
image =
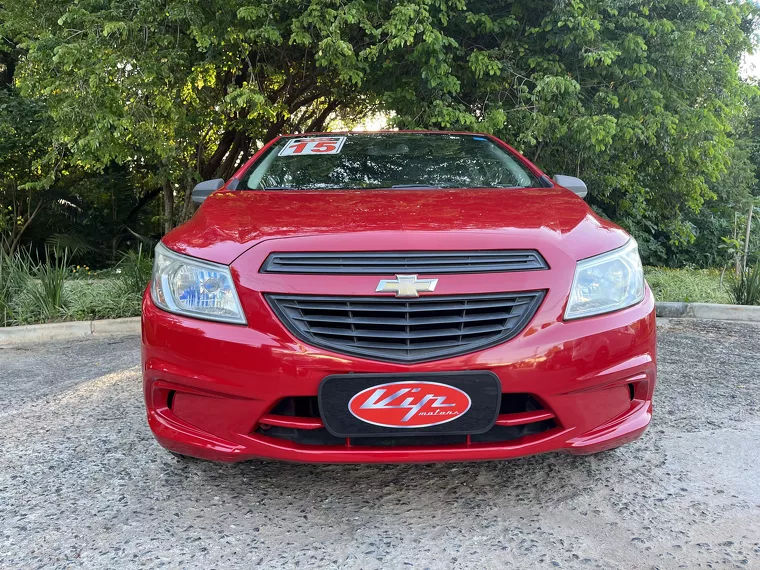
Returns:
<point x="297" y="419"/>
<point x="406" y="330"/>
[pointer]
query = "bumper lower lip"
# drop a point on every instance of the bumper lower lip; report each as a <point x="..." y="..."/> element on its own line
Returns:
<point x="182" y="438"/>
<point x="595" y="377"/>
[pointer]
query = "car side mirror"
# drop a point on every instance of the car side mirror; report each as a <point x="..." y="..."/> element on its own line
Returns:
<point x="203" y="189"/>
<point x="572" y="183"/>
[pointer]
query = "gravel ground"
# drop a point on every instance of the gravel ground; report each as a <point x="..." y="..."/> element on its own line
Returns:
<point x="83" y="484"/>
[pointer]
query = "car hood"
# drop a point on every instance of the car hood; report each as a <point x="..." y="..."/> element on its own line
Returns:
<point x="231" y="222"/>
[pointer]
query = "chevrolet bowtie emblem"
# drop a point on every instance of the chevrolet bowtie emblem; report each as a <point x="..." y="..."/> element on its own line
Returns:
<point x="406" y="286"/>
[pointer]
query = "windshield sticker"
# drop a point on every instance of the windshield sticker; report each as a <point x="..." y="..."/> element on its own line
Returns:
<point x="313" y="145"/>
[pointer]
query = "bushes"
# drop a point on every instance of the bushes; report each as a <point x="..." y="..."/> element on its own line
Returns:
<point x="745" y="287"/>
<point x="108" y="298"/>
<point x="34" y="291"/>
<point x="15" y="274"/>
<point x="46" y="297"/>
<point x="31" y="291"/>
<point x="135" y="268"/>
<point x="705" y="285"/>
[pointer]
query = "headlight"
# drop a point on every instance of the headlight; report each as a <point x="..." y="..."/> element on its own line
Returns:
<point x="195" y="288"/>
<point x="607" y="282"/>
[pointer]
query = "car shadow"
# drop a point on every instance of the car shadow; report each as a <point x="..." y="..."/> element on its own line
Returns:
<point x="552" y="476"/>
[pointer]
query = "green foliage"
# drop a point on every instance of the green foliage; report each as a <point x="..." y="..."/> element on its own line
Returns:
<point x="639" y="100"/>
<point x="184" y="90"/>
<point x="45" y="297"/>
<point x="136" y="268"/>
<point x="719" y="228"/>
<point x="34" y="292"/>
<point x="22" y="143"/>
<point x="15" y="275"/>
<point x="643" y="100"/>
<point x="101" y="215"/>
<point x="745" y="288"/>
<point x="100" y="299"/>
<point x="687" y="285"/>
<point x="60" y="243"/>
<point x="47" y="196"/>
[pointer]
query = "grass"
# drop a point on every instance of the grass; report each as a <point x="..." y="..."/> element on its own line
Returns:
<point x="745" y="288"/>
<point x="46" y="294"/>
<point x="688" y="285"/>
<point x="42" y="292"/>
<point x="15" y="275"/>
<point x="85" y="300"/>
<point x="101" y="299"/>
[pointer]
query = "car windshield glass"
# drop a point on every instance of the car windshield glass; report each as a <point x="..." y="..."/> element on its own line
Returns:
<point x="387" y="160"/>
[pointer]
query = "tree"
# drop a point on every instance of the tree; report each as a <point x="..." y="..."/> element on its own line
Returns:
<point x="22" y="142"/>
<point x="182" y="90"/>
<point x="637" y="97"/>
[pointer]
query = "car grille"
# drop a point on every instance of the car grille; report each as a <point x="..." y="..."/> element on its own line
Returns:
<point x="406" y="330"/>
<point x="520" y="415"/>
<point x="393" y="262"/>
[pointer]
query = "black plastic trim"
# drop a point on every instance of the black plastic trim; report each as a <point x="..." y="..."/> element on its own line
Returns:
<point x="307" y="406"/>
<point x="402" y="262"/>
<point x="299" y="327"/>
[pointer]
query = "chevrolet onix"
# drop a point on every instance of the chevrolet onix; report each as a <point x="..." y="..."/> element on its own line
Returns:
<point x="395" y="297"/>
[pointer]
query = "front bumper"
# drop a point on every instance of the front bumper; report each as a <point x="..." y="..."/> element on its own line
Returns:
<point x="210" y="388"/>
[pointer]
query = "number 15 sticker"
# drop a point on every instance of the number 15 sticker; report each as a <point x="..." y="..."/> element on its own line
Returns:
<point x="313" y="145"/>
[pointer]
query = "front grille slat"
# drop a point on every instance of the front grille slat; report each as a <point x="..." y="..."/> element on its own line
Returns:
<point x="451" y="261"/>
<point x="390" y="262"/>
<point x="438" y="344"/>
<point x="370" y="333"/>
<point x="316" y="318"/>
<point x="438" y="305"/>
<point x="406" y="330"/>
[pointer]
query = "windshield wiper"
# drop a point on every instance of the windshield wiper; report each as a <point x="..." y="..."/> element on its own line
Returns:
<point x="432" y="186"/>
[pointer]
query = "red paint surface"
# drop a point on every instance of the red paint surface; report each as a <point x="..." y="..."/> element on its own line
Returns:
<point x="231" y="222"/>
<point x="222" y="379"/>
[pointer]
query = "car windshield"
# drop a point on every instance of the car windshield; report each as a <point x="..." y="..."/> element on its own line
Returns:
<point x="387" y="160"/>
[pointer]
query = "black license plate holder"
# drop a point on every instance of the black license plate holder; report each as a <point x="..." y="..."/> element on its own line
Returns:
<point x="336" y="392"/>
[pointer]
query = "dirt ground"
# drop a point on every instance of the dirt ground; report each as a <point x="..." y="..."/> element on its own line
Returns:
<point x="84" y="485"/>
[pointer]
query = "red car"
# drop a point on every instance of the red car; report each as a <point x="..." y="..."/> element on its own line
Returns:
<point x="396" y="297"/>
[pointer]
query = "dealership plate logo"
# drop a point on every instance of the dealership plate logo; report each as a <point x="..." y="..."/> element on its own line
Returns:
<point x="409" y="404"/>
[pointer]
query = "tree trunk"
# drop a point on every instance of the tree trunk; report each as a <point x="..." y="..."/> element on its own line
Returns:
<point x="144" y="200"/>
<point x="227" y="168"/>
<point x="746" y="236"/>
<point x="274" y="130"/>
<point x="168" y="207"/>
<point x="738" y="253"/>
<point x="318" y="124"/>
<point x="17" y="231"/>
<point x="188" y="207"/>
<point x="209" y="169"/>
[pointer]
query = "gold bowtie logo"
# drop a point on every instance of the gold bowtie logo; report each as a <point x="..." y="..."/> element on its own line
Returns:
<point x="406" y="286"/>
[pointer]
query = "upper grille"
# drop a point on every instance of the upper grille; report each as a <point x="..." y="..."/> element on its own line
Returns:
<point x="392" y="262"/>
<point x="406" y="330"/>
